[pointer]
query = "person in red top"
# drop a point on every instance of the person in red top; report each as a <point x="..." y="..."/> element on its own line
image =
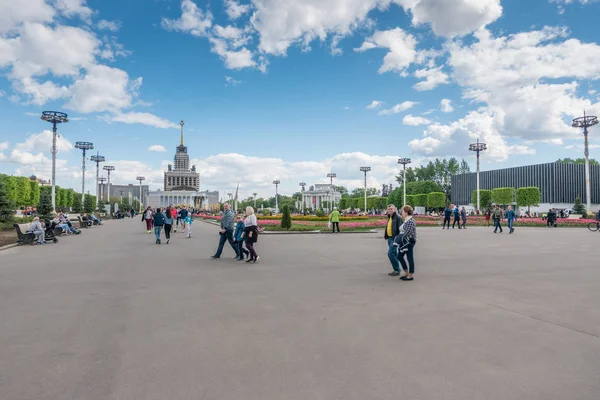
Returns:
<point x="174" y="215"/>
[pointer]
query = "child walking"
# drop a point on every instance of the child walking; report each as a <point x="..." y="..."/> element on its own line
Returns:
<point x="238" y="237"/>
<point x="187" y="225"/>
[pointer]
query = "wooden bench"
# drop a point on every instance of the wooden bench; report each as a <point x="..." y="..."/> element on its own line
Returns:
<point x="23" y="238"/>
<point x="82" y="223"/>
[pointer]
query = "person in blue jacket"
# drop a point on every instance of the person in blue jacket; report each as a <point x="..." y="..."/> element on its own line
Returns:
<point x="511" y="216"/>
<point x="238" y="238"/>
<point x="447" y="215"/>
<point x="159" y="222"/>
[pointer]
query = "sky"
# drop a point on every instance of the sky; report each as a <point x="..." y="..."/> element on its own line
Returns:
<point x="294" y="89"/>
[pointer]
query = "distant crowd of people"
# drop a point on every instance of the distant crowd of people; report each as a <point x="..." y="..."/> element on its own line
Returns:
<point x="168" y="219"/>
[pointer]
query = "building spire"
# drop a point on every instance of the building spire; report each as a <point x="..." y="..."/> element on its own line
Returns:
<point x="181" y="139"/>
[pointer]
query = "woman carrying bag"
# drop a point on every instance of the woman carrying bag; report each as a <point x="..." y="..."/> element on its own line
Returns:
<point x="251" y="234"/>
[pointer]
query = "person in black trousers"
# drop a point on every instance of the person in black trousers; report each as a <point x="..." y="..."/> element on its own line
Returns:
<point x="408" y="234"/>
<point x="456" y="213"/>
<point x="447" y="215"/>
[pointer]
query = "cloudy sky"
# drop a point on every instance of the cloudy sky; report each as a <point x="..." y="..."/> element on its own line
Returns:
<point x="294" y="89"/>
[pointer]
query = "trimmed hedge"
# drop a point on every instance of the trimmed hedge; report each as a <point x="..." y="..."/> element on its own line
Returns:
<point x="528" y="196"/>
<point x="503" y="196"/>
<point x="485" y="196"/>
<point x="436" y="200"/>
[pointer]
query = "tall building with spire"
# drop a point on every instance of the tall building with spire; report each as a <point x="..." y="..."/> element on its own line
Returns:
<point x="180" y="176"/>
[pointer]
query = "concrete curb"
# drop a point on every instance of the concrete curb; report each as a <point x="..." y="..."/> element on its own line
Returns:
<point x="8" y="246"/>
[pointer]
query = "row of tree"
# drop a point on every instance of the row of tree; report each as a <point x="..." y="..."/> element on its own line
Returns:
<point x="522" y="197"/>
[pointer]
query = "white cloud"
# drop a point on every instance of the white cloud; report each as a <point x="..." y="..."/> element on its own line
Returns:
<point x="103" y="89"/>
<point x="415" y="121"/>
<point x="193" y="20"/>
<point x="112" y="26"/>
<point x="73" y="8"/>
<point x="401" y="45"/>
<point x="398" y="108"/>
<point x="374" y="104"/>
<point x="283" y="23"/>
<point x="26" y="158"/>
<point x="42" y="142"/>
<point x="234" y="9"/>
<point x="450" y="18"/>
<point x="141" y="118"/>
<point x="157" y="148"/>
<point x="12" y="16"/>
<point x="230" y="81"/>
<point x="446" y="106"/>
<point x="4" y="146"/>
<point x="515" y="76"/>
<point x="433" y="78"/>
<point x="454" y="138"/>
<point x="234" y="59"/>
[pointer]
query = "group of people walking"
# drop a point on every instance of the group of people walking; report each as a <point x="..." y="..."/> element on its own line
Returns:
<point x="460" y="215"/>
<point x="239" y="230"/>
<point x="168" y="220"/>
<point x="401" y="236"/>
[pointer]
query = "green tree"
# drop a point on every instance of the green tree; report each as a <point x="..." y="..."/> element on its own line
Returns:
<point x="343" y="204"/>
<point x="410" y="200"/>
<point x="77" y="206"/>
<point x="576" y="161"/>
<point x="420" y="200"/>
<point x="6" y="205"/>
<point x="503" y="196"/>
<point x="485" y="197"/>
<point x="10" y="186"/>
<point x="436" y="200"/>
<point x="44" y="208"/>
<point x="34" y="192"/>
<point x="23" y="191"/>
<point x="578" y="207"/>
<point x="286" y="219"/>
<point x="89" y="203"/>
<point x="528" y="196"/>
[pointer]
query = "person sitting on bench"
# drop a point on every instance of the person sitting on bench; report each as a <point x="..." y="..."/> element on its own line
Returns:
<point x="37" y="229"/>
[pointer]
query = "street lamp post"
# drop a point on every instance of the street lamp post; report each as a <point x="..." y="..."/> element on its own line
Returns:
<point x="585" y="122"/>
<point x="331" y="175"/>
<point x="303" y="186"/>
<point x="54" y="117"/>
<point x="404" y="161"/>
<point x="108" y="168"/>
<point x="365" y="170"/>
<point x="102" y="180"/>
<point x="97" y="159"/>
<point x="141" y="179"/>
<point x="478" y="148"/>
<point x="254" y="194"/>
<point x="120" y="191"/>
<point x="84" y="147"/>
<point x="276" y="182"/>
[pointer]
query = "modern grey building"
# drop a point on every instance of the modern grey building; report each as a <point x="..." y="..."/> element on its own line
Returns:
<point x="559" y="184"/>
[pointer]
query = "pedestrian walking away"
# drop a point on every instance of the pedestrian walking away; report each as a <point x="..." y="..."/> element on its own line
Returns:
<point x="456" y="213"/>
<point x="497" y="214"/>
<point x="447" y="215"/>
<point x="169" y="220"/>
<point x="159" y="222"/>
<point x="406" y="241"/>
<point x="511" y="217"/>
<point x="463" y="217"/>
<point x="392" y="230"/>
<point x="334" y="218"/>
<point x="226" y="232"/>
<point x="147" y="216"/>
<point x="175" y="216"/>
<point x="488" y="215"/>
<point x="251" y="234"/>
<point x="183" y="215"/>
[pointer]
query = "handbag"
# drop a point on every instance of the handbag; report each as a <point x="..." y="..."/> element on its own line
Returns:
<point x="329" y="225"/>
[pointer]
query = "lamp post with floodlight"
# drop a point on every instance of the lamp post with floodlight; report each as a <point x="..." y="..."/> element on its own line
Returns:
<point x="84" y="147"/>
<point x="365" y="170"/>
<point x="478" y="148"/>
<point x="404" y="162"/>
<point x="108" y="168"/>
<point x="141" y="179"/>
<point x="54" y="117"/>
<point x="276" y="182"/>
<point x="97" y="159"/>
<point x="585" y="122"/>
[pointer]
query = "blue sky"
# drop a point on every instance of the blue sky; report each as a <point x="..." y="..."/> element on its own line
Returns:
<point x="293" y="89"/>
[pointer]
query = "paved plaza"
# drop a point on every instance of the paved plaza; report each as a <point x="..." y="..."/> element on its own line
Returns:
<point x="109" y="315"/>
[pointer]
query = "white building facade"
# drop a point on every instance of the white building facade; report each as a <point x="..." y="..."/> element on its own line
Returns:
<point x="321" y="196"/>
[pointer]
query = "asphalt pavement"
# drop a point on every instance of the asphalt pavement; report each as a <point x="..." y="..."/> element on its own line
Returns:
<point x="109" y="315"/>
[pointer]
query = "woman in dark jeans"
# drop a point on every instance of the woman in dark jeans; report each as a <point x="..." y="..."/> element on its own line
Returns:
<point x="408" y="231"/>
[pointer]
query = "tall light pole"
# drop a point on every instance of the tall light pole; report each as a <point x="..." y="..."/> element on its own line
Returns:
<point x="141" y="179"/>
<point x="585" y="122"/>
<point x="276" y="182"/>
<point x="97" y="159"/>
<point x="102" y="180"/>
<point x="365" y="170"/>
<point x="84" y="147"/>
<point x="108" y="168"/>
<point x="54" y="117"/>
<point x="404" y="161"/>
<point x="303" y="185"/>
<point x="478" y="148"/>
<point x="120" y="191"/>
<point x="331" y="175"/>
<point x="254" y="194"/>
